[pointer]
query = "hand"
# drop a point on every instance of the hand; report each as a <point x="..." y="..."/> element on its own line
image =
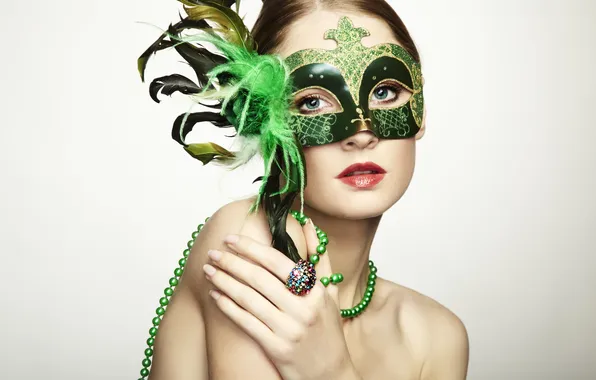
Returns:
<point x="302" y="335"/>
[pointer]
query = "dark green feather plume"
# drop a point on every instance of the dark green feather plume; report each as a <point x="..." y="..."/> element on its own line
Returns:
<point x="252" y="92"/>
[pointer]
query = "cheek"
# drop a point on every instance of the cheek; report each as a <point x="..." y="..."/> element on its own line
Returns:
<point x="402" y="159"/>
<point x="321" y="162"/>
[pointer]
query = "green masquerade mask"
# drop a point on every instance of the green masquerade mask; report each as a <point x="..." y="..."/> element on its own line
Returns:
<point x="353" y="74"/>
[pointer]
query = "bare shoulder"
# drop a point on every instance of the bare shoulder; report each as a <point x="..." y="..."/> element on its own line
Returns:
<point x="436" y="335"/>
<point x="235" y="218"/>
<point x="225" y="341"/>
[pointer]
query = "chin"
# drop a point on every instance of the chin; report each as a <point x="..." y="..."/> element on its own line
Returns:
<point x="354" y="204"/>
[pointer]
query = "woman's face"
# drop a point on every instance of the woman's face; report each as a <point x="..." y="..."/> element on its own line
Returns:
<point x="354" y="195"/>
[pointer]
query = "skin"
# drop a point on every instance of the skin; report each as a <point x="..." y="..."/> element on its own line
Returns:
<point x="402" y="334"/>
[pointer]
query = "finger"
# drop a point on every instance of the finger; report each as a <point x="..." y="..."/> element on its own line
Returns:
<point x="247" y="298"/>
<point x="257" y="278"/>
<point x="250" y="324"/>
<point x="317" y="246"/>
<point x="266" y="256"/>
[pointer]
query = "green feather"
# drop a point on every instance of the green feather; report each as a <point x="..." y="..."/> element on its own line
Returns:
<point x="257" y="101"/>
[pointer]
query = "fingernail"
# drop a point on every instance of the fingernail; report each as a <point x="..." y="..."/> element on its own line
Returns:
<point x="209" y="269"/>
<point x="214" y="255"/>
<point x="231" y="239"/>
<point x="214" y="294"/>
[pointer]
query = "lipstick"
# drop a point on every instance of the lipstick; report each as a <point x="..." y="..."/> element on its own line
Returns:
<point x="362" y="175"/>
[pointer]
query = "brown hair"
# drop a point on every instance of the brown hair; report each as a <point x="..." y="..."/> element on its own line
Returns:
<point x="277" y="16"/>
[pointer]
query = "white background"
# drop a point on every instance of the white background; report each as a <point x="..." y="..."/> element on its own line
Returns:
<point x="97" y="201"/>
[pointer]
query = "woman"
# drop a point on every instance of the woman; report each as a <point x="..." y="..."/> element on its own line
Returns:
<point x="357" y="112"/>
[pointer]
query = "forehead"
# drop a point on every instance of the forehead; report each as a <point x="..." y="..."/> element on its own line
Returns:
<point x="308" y="31"/>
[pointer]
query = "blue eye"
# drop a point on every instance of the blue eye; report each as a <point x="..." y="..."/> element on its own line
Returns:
<point x="312" y="103"/>
<point x="381" y="93"/>
<point x="315" y="103"/>
<point x="386" y="93"/>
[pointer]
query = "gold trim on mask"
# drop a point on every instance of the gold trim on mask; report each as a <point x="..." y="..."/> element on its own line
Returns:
<point x="363" y="126"/>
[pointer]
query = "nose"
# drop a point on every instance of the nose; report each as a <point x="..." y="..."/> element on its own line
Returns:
<point x="360" y="140"/>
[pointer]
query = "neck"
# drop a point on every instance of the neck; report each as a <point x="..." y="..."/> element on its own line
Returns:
<point x="348" y="250"/>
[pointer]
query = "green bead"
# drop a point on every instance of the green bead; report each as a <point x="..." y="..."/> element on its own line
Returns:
<point x="370" y="289"/>
<point x="150" y="342"/>
<point x="153" y="331"/>
<point x="373" y="270"/>
<point x="368" y="294"/>
<point x="370" y="263"/>
<point x="324" y="240"/>
<point x="190" y="243"/>
<point x="325" y="281"/>
<point x="207" y="219"/>
<point x="195" y="234"/>
<point x="317" y="229"/>
<point x="200" y="226"/>
<point x="321" y="249"/>
<point x="146" y="363"/>
<point x="178" y="272"/>
<point x="294" y="213"/>
<point x="367" y="299"/>
<point x="168" y="292"/>
<point x="321" y="235"/>
<point x="357" y="309"/>
<point x="160" y="311"/>
<point x="163" y="301"/>
<point x="372" y="276"/>
<point x="148" y="352"/>
<point x="336" y="278"/>
<point x="186" y="252"/>
<point x="144" y="372"/>
<point x="156" y="321"/>
<point x="371" y="282"/>
<point x="182" y="262"/>
<point x="173" y="281"/>
<point x="314" y="259"/>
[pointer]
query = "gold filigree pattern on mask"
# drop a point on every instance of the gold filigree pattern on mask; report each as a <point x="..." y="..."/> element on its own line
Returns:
<point x="314" y="128"/>
<point x="392" y="119"/>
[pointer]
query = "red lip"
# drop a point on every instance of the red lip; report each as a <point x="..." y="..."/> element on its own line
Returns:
<point x="364" y="180"/>
<point x="367" y="166"/>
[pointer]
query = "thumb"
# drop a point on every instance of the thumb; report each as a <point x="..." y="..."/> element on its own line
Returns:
<point x="316" y="244"/>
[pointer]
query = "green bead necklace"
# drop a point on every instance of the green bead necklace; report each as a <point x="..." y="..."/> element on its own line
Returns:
<point x="335" y="278"/>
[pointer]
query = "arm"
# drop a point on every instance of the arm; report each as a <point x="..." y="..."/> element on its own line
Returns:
<point x="179" y="351"/>
<point x="449" y="350"/>
<point x="232" y="353"/>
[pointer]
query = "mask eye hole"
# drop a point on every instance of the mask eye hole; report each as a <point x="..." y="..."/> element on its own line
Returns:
<point x="313" y="101"/>
<point x="388" y="94"/>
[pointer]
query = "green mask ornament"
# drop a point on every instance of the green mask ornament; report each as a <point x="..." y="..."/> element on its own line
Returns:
<point x="350" y="73"/>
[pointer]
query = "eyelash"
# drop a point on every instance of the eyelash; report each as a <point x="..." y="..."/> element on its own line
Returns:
<point x="301" y="102"/>
<point x="397" y="89"/>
